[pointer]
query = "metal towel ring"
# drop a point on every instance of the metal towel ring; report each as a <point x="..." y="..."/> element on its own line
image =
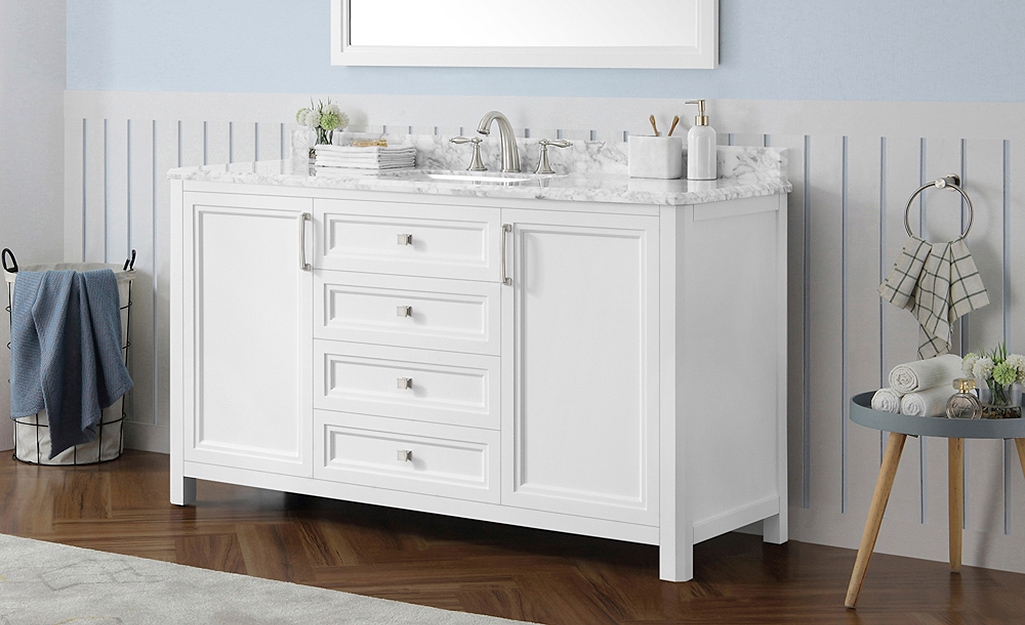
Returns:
<point x="950" y="181"/>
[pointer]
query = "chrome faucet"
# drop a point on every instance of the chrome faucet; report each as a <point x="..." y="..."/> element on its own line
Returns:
<point x="510" y="153"/>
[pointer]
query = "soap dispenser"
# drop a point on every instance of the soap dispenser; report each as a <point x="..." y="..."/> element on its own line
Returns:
<point x="701" y="147"/>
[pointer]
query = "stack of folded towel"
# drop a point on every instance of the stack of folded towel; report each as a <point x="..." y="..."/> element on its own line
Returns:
<point x="919" y="388"/>
<point x="333" y="158"/>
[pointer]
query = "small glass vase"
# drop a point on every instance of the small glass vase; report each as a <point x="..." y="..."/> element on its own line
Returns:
<point x="325" y="137"/>
<point x="1000" y="401"/>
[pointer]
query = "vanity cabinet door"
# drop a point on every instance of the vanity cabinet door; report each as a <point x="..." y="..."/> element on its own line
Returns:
<point x="247" y="341"/>
<point x="580" y="364"/>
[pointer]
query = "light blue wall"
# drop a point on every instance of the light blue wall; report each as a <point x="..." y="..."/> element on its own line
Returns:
<point x="912" y="50"/>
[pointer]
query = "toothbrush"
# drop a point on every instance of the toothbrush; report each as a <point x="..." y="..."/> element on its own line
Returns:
<point x="676" y="120"/>
<point x="651" y="119"/>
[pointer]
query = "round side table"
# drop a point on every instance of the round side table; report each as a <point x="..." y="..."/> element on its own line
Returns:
<point x="900" y="427"/>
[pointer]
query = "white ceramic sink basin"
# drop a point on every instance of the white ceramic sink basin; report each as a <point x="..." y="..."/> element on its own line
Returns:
<point x="473" y="177"/>
<point x="485" y="177"/>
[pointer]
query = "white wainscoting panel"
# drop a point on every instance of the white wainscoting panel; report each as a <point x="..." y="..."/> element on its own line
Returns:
<point x="853" y="166"/>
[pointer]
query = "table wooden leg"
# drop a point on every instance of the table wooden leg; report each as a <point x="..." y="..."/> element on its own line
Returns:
<point x="884" y="485"/>
<point x="955" y="499"/>
<point x="1020" y="442"/>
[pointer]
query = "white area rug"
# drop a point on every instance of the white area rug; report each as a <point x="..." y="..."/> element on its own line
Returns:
<point x="48" y="584"/>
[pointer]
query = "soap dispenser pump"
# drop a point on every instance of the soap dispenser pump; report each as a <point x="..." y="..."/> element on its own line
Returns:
<point x="701" y="147"/>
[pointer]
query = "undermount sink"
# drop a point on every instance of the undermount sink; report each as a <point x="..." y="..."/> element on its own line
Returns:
<point x="494" y="177"/>
<point x="473" y="177"/>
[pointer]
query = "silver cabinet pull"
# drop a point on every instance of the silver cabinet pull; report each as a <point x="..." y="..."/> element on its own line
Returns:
<point x="303" y="218"/>
<point x="404" y="239"/>
<point x="404" y="383"/>
<point x="404" y="455"/>
<point x="404" y="311"/>
<point x="506" y="228"/>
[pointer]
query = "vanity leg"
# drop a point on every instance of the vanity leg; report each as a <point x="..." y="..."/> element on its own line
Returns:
<point x="183" y="490"/>
<point x="884" y="485"/>
<point x="676" y="556"/>
<point x="955" y="496"/>
<point x="1020" y="442"/>
<point x="774" y="529"/>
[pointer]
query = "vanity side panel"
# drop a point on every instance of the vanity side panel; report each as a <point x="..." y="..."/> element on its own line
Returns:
<point x="183" y="489"/>
<point x="730" y="371"/>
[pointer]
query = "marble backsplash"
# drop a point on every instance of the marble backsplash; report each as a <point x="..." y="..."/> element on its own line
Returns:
<point x="746" y="164"/>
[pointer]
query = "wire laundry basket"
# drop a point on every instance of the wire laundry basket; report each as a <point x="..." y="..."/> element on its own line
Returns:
<point x="32" y="433"/>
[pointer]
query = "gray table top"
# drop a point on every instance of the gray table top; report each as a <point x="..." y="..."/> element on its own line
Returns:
<point x="862" y="414"/>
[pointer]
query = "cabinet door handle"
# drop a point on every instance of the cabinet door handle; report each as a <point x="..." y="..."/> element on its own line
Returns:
<point x="404" y="311"/>
<point x="506" y="229"/>
<point x="404" y="239"/>
<point x="303" y="218"/>
<point x="404" y="383"/>
<point x="404" y="455"/>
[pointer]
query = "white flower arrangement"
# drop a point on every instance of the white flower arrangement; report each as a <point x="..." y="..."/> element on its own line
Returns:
<point x="968" y="365"/>
<point x="998" y="369"/>
<point x="1017" y="362"/>
<point x="983" y="367"/>
<point x="323" y="117"/>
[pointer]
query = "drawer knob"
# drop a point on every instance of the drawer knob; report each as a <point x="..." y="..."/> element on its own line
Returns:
<point x="404" y="311"/>
<point x="404" y="383"/>
<point x="404" y="455"/>
<point x="405" y="239"/>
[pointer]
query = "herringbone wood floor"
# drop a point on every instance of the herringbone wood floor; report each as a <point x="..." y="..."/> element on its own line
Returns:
<point x="455" y="564"/>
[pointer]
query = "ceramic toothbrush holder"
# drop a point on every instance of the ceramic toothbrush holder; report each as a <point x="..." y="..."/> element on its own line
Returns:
<point x="655" y="157"/>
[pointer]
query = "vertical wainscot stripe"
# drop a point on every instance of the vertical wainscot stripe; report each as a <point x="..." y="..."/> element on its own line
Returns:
<point x="923" y="463"/>
<point x="1009" y="452"/>
<point x="106" y="192"/>
<point x="844" y="406"/>
<point x="128" y="181"/>
<point x="883" y="382"/>
<point x="806" y="327"/>
<point x="156" y="282"/>
<point x="85" y="177"/>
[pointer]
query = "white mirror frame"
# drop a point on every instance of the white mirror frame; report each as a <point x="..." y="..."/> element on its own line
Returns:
<point x="703" y="55"/>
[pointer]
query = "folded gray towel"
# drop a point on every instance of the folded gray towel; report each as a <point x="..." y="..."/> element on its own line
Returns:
<point x="66" y="351"/>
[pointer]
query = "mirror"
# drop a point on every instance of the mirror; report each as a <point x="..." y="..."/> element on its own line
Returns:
<point x="677" y="34"/>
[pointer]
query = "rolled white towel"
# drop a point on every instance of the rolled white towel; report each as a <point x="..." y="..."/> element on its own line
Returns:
<point x="931" y="402"/>
<point x="887" y="400"/>
<point x="923" y="374"/>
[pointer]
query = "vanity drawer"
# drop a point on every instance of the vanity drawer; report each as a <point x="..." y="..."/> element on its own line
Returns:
<point x="421" y="385"/>
<point x="427" y="458"/>
<point x="434" y="241"/>
<point x="426" y="313"/>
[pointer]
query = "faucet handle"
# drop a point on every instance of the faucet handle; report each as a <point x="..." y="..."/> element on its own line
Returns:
<point x="476" y="164"/>
<point x="543" y="167"/>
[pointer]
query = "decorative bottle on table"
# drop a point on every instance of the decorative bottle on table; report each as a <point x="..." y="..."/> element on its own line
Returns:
<point x="963" y="404"/>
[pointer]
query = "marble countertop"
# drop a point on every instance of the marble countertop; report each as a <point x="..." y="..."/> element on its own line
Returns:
<point x="744" y="173"/>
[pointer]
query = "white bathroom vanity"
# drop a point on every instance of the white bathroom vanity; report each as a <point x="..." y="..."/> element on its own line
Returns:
<point x="584" y="353"/>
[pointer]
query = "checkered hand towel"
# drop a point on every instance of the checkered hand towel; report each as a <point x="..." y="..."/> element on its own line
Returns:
<point x="938" y="284"/>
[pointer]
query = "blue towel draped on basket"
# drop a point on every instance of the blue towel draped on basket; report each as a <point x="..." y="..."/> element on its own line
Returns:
<point x="66" y="351"/>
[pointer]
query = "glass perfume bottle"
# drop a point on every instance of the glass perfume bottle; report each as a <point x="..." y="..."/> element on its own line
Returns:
<point x="964" y="404"/>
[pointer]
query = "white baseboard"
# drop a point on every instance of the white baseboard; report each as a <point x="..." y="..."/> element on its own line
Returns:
<point x="991" y="550"/>
<point x="147" y="437"/>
